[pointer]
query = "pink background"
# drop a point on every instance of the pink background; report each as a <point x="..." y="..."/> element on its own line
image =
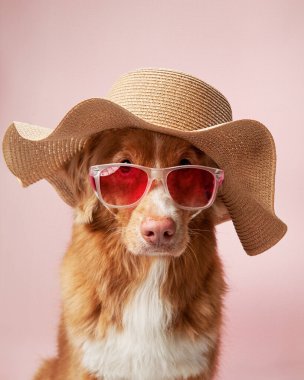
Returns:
<point x="57" y="53"/>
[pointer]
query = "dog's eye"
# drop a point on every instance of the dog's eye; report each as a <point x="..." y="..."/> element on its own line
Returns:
<point x="184" y="161"/>
<point x="126" y="162"/>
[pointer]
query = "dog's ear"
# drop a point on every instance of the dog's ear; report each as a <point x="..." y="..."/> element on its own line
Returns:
<point x="73" y="185"/>
<point x="84" y="211"/>
<point x="77" y="178"/>
<point x="220" y="211"/>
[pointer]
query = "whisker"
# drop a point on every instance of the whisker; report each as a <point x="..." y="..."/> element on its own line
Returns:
<point x="197" y="231"/>
<point x="190" y="248"/>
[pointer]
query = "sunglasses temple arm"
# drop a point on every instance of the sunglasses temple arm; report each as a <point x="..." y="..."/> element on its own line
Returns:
<point x="195" y="214"/>
<point x="108" y="208"/>
<point x="97" y="192"/>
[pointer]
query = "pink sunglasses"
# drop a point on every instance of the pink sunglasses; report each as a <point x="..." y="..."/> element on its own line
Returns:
<point x="192" y="187"/>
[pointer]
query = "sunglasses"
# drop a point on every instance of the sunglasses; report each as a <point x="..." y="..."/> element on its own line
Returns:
<point x="192" y="187"/>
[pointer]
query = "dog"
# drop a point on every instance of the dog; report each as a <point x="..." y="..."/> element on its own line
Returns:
<point x="143" y="286"/>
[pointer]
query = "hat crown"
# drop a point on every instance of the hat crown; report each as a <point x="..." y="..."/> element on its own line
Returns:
<point x="171" y="99"/>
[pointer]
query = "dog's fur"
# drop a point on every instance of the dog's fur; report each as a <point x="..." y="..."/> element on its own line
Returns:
<point x="131" y="310"/>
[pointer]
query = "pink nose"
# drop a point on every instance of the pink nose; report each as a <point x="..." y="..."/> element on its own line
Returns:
<point x="158" y="231"/>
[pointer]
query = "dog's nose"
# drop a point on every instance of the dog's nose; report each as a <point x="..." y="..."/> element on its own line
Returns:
<point x="158" y="231"/>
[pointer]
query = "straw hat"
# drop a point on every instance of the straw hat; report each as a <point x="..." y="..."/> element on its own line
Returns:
<point x="176" y="104"/>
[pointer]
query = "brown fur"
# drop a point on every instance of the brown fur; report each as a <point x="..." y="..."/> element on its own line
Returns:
<point x="98" y="274"/>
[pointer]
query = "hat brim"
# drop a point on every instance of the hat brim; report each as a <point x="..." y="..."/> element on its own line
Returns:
<point x="243" y="148"/>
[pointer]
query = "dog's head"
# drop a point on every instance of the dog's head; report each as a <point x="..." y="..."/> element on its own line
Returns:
<point x="156" y="226"/>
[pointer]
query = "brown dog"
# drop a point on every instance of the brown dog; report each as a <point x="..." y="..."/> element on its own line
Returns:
<point x="133" y="307"/>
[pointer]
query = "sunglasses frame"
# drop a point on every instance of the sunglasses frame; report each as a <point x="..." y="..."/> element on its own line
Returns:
<point x="158" y="174"/>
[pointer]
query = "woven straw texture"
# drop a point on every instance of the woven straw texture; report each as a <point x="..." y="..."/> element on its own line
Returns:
<point x="171" y="100"/>
<point x="173" y="103"/>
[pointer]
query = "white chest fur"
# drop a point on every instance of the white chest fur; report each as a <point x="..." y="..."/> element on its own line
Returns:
<point x="144" y="350"/>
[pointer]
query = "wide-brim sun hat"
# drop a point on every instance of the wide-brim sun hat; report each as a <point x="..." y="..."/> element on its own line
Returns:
<point x="176" y="104"/>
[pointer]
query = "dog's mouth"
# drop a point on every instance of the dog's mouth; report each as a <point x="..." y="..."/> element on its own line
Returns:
<point x="160" y="250"/>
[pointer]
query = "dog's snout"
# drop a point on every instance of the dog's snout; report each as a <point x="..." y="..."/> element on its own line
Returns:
<point x="158" y="231"/>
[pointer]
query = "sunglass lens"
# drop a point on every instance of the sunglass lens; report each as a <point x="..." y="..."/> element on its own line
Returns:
<point x="122" y="185"/>
<point x="191" y="187"/>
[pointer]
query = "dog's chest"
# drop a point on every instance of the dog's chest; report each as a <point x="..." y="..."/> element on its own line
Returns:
<point x="144" y="350"/>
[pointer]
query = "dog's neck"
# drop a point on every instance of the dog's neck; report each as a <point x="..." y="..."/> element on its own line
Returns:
<point x="112" y="275"/>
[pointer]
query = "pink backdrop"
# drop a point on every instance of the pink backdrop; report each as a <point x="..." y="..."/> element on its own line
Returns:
<point x="57" y="53"/>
